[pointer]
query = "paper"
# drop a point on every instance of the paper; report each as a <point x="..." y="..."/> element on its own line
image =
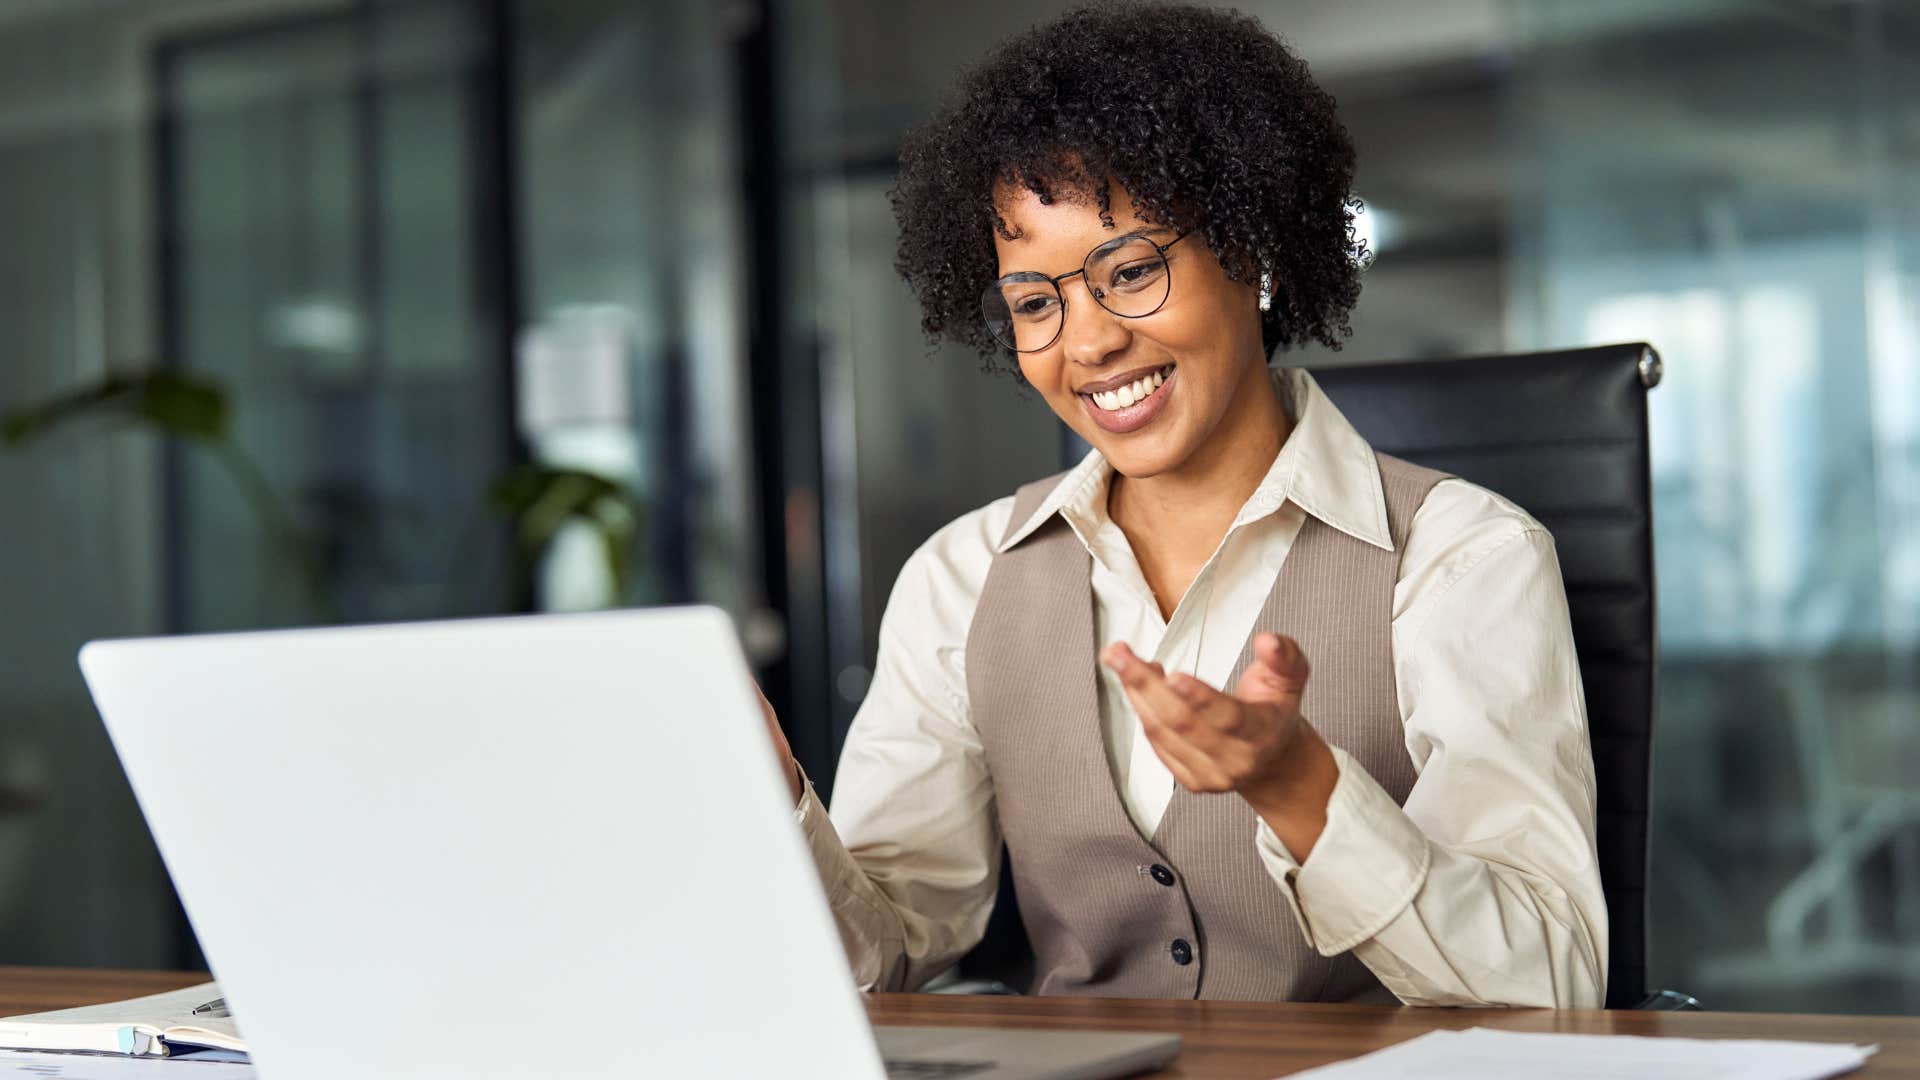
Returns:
<point x="1484" y="1053"/>
<point x="129" y="1027"/>
<point x="114" y="1067"/>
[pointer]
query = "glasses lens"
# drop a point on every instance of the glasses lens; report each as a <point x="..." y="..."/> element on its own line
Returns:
<point x="1130" y="278"/>
<point x="1022" y="312"/>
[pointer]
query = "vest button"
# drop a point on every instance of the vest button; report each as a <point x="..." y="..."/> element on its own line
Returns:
<point x="1161" y="874"/>
<point x="1182" y="952"/>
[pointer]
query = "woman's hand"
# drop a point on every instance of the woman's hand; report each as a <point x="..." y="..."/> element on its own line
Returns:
<point x="789" y="767"/>
<point x="1252" y="741"/>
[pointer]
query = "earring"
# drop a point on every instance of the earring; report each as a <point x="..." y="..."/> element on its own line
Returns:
<point x="1266" y="291"/>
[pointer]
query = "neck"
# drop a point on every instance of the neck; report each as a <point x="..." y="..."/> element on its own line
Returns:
<point x="1190" y="507"/>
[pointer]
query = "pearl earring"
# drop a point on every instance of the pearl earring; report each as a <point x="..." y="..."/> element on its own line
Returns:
<point x="1266" y="291"/>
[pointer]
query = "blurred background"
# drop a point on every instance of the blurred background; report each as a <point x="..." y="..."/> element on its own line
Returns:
<point x="359" y="310"/>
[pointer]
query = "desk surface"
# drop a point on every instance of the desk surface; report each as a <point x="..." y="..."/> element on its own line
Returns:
<point x="1223" y="1039"/>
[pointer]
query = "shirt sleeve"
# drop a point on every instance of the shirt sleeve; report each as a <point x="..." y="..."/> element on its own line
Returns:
<point x="1485" y="888"/>
<point x="910" y="854"/>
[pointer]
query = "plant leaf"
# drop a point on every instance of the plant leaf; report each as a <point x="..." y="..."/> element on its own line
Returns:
<point x="170" y="402"/>
<point x="540" y="499"/>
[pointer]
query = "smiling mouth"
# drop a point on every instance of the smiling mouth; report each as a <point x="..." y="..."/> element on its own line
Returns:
<point x="1136" y="391"/>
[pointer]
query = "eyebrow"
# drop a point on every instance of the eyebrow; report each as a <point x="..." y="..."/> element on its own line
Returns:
<point x="1141" y="232"/>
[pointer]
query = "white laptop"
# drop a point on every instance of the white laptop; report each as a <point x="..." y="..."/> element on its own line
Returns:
<point x="541" y="846"/>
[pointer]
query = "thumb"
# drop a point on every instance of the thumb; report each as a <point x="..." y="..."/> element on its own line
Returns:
<point x="1277" y="674"/>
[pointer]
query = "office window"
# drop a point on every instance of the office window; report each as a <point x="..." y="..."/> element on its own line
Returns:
<point x="1735" y="183"/>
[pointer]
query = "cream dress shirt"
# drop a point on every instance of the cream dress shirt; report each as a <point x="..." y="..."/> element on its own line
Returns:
<point x="1483" y="889"/>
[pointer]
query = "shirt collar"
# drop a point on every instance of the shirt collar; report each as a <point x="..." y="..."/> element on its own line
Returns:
<point x="1325" y="468"/>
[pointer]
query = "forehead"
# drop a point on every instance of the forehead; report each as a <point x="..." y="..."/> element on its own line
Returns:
<point x="1065" y="228"/>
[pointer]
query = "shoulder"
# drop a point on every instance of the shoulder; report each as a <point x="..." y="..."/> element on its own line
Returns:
<point x="943" y="577"/>
<point x="1461" y="514"/>
<point x="923" y="632"/>
<point x="1459" y="526"/>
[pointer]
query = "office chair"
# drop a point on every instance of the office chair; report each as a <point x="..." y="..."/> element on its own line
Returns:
<point x="1564" y="435"/>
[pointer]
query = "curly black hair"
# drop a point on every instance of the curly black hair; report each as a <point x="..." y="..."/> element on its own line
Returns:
<point x="1204" y="118"/>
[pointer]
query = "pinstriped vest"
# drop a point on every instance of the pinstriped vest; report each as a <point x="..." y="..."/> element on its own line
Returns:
<point x="1190" y="912"/>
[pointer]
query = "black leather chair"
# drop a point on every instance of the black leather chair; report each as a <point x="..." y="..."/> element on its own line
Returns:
<point x="1564" y="435"/>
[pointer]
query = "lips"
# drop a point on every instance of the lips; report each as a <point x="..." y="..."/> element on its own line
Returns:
<point x="1124" y="379"/>
<point x="1137" y="415"/>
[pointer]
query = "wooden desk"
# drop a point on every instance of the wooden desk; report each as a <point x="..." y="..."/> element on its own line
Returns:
<point x="1231" y="1040"/>
<point x="1223" y="1040"/>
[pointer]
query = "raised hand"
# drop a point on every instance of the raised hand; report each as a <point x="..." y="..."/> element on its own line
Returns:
<point x="1253" y="741"/>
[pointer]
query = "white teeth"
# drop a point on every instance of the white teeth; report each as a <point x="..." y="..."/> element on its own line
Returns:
<point x="1111" y="400"/>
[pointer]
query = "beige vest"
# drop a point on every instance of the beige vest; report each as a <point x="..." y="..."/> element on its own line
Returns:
<point x="1191" y="912"/>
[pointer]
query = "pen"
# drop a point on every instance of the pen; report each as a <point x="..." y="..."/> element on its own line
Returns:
<point x="216" y="1007"/>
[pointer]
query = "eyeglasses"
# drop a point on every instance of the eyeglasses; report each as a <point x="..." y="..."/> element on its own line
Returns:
<point x="1127" y="275"/>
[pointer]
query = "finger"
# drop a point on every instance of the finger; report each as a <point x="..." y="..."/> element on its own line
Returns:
<point x="1195" y="746"/>
<point x="1191" y="768"/>
<point x="1179" y="702"/>
<point x="1224" y="722"/>
<point x="1278" y="673"/>
<point x="1120" y="658"/>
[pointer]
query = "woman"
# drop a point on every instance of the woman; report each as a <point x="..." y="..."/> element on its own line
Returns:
<point x="1258" y="713"/>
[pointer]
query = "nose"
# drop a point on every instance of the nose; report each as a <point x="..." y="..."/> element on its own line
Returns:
<point x="1092" y="334"/>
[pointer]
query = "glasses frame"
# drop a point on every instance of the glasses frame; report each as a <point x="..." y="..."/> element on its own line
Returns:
<point x="1054" y="282"/>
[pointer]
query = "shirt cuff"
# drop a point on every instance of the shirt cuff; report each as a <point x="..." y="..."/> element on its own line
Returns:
<point x="823" y="842"/>
<point x="1369" y="863"/>
<point x="809" y="805"/>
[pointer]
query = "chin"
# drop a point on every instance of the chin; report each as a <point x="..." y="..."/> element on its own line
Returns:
<point x="1138" y="460"/>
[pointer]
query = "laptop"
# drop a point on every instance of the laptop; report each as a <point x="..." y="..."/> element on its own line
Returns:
<point x="533" y="846"/>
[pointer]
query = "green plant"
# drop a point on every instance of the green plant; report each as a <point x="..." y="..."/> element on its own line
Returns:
<point x="536" y="500"/>
<point x="196" y="412"/>
<point x="540" y="500"/>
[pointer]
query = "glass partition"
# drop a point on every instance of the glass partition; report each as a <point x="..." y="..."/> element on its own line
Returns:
<point x="324" y="231"/>
<point x="1736" y="183"/>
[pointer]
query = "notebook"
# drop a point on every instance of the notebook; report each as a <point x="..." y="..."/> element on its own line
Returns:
<point x="158" y="1025"/>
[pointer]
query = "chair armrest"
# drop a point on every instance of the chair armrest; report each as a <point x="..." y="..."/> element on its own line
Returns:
<point x="973" y="986"/>
<point x="1668" y="1001"/>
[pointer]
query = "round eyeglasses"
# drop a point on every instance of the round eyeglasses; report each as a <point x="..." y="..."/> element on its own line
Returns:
<point x="1127" y="275"/>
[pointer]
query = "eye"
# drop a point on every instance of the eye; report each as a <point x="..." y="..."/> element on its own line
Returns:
<point x="1136" y="274"/>
<point x="1033" y="306"/>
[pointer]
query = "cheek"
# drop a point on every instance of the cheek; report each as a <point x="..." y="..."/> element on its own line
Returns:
<point x="1041" y="370"/>
<point x="1205" y="322"/>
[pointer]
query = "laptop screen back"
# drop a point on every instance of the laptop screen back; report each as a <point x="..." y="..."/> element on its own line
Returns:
<point x="506" y="847"/>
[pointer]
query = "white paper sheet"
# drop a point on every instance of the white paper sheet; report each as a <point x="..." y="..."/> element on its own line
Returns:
<point x="1487" y="1054"/>
<point x="116" y="1067"/>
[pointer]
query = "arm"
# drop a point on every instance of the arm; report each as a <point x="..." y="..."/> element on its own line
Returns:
<point x="1485" y="889"/>
<point x="910" y="857"/>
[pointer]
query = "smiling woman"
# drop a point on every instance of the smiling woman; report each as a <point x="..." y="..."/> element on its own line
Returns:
<point x="1257" y="712"/>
